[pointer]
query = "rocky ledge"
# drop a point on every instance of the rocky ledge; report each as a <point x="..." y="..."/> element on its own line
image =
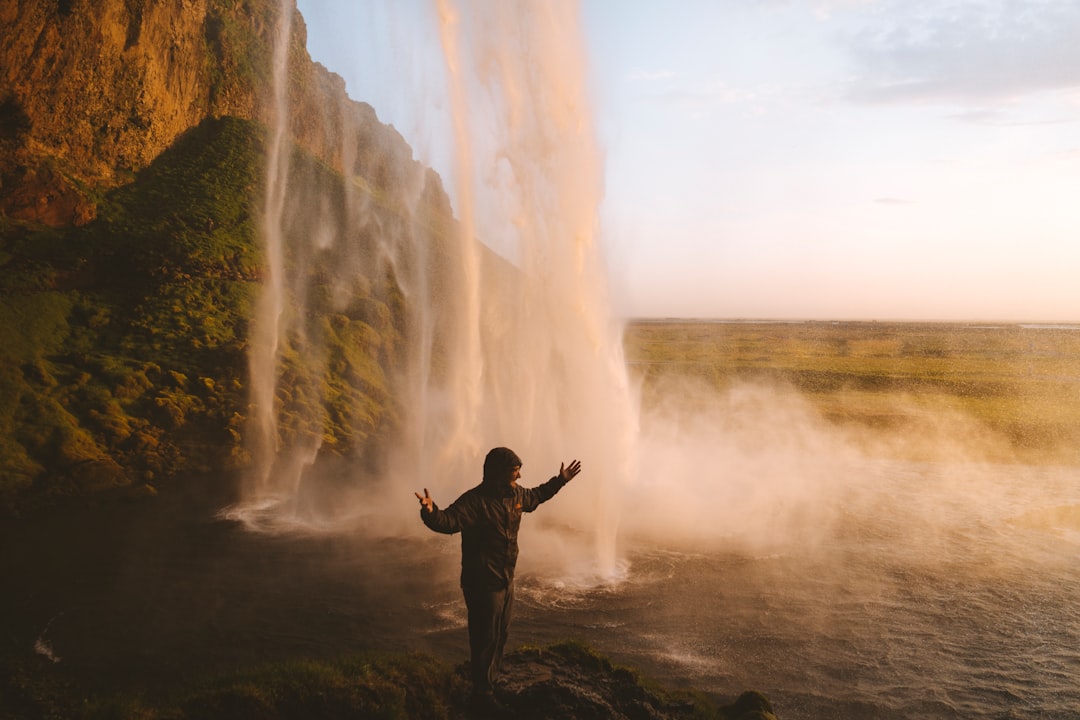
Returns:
<point x="564" y="681"/>
<point x="569" y="680"/>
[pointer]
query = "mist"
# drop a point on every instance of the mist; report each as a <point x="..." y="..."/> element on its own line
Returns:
<point x="521" y="346"/>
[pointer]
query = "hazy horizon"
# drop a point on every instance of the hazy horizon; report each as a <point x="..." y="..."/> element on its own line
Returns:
<point x="1035" y="323"/>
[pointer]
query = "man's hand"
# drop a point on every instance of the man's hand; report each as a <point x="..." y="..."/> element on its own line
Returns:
<point x="566" y="472"/>
<point x="425" y="500"/>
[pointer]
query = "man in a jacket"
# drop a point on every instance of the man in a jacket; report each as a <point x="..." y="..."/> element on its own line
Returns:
<point x="488" y="517"/>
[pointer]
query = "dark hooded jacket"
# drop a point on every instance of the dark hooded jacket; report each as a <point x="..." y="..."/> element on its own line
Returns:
<point x="488" y="517"/>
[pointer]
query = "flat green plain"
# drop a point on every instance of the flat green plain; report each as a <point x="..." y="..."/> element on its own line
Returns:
<point x="1018" y="382"/>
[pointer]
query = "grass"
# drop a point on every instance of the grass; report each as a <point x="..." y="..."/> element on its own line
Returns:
<point x="1022" y="382"/>
<point x="368" y="685"/>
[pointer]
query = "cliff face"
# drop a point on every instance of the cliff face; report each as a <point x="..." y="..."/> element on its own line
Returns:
<point x="132" y="169"/>
<point x="93" y="90"/>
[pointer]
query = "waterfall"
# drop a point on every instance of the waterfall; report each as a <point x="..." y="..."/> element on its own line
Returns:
<point x="529" y="181"/>
<point x="500" y="329"/>
<point x="267" y="324"/>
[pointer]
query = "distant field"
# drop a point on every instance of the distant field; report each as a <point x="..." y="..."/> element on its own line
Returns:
<point x="1020" y="381"/>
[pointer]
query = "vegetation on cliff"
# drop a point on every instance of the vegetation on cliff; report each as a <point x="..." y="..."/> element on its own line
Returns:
<point x="122" y="348"/>
<point x="132" y="147"/>
<point x="123" y="343"/>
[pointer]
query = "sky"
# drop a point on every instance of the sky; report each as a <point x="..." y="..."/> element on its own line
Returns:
<point x="799" y="159"/>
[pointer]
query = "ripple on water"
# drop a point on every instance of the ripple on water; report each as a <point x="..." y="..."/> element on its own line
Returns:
<point x="950" y="593"/>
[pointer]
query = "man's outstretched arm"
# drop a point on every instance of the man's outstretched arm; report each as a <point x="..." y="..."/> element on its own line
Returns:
<point x="543" y="493"/>
<point x="451" y="520"/>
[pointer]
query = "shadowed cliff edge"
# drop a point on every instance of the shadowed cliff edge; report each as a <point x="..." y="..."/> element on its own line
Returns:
<point x="565" y="680"/>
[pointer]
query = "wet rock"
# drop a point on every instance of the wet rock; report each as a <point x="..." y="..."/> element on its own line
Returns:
<point x="569" y="680"/>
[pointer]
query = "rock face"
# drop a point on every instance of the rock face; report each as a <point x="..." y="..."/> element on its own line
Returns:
<point x="93" y="90"/>
<point x="132" y="174"/>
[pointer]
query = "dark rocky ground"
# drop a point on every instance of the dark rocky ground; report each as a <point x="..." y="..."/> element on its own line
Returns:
<point x="160" y="613"/>
<point x="571" y="681"/>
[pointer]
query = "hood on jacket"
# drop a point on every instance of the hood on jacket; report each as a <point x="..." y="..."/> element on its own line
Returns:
<point x="498" y="463"/>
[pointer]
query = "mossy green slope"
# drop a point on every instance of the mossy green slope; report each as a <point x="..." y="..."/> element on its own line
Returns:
<point x="123" y="340"/>
<point x="123" y="343"/>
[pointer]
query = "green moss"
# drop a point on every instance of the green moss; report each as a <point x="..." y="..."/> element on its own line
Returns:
<point x="93" y="337"/>
<point x="98" y="322"/>
<point x="34" y="324"/>
<point x="187" y="216"/>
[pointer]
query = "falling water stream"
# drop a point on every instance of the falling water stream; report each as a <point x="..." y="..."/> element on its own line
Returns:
<point x="535" y="358"/>
<point x="268" y="325"/>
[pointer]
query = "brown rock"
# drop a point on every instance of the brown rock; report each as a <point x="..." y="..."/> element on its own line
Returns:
<point x="92" y="90"/>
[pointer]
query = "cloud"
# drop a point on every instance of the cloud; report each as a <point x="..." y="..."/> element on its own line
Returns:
<point x="893" y="201"/>
<point x="999" y="118"/>
<point x="981" y="116"/>
<point x="969" y="53"/>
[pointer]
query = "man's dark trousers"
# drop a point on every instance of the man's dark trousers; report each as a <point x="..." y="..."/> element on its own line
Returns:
<point x="489" y="620"/>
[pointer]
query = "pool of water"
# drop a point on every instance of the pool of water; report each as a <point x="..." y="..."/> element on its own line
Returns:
<point x="934" y="591"/>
